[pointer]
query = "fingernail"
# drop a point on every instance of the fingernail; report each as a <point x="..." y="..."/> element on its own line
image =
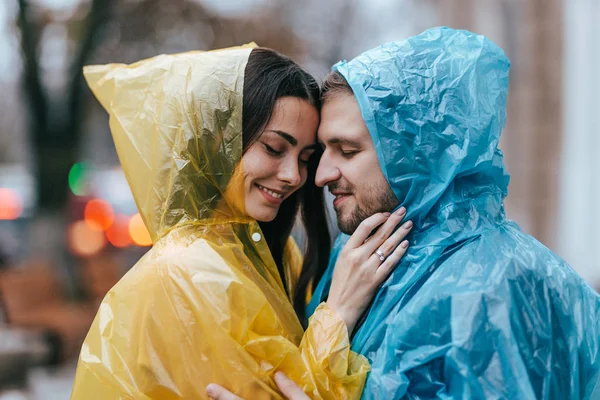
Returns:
<point x="404" y="244"/>
<point x="401" y="211"/>
<point x="387" y="214"/>
<point x="408" y="224"/>
<point x="210" y="390"/>
<point x="279" y="375"/>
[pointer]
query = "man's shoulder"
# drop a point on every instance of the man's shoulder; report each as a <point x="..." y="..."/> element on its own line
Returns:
<point x="507" y="254"/>
<point x="508" y="262"/>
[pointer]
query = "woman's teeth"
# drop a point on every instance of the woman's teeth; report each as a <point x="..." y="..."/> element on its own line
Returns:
<point x="270" y="192"/>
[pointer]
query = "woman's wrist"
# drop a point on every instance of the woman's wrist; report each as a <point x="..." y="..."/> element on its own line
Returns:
<point x="343" y="314"/>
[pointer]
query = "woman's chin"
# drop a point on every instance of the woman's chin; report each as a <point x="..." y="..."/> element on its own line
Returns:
<point x="263" y="215"/>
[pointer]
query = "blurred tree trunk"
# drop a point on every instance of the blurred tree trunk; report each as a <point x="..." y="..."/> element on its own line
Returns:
<point x="531" y="34"/>
<point x="55" y="121"/>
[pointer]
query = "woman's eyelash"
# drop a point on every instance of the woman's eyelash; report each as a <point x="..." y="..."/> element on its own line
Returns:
<point x="272" y="150"/>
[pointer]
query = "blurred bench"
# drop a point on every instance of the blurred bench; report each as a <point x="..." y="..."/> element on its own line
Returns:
<point x="33" y="299"/>
<point x="98" y="275"/>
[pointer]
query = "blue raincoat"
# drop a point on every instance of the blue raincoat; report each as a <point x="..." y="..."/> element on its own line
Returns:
<point x="477" y="309"/>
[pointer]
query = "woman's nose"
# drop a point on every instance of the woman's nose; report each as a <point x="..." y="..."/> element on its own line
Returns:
<point x="290" y="173"/>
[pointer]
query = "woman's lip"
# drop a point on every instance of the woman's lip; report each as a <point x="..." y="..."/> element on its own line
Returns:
<point x="268" y="197"/>
<point x="272" y="190"/>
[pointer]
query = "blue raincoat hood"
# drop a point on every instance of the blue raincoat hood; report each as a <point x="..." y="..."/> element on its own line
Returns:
<point x="435" y="106"/>
<point x="471" y="310"/>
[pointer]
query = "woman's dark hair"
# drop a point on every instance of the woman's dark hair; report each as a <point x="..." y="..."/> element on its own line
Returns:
<point x="268" y="77"/>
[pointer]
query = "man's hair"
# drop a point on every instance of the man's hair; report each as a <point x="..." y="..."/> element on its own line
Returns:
<point x="333" y="85"/>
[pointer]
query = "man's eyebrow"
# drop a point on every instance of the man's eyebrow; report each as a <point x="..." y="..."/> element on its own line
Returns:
<point x="342" y="141"/>
<point x="292" y="140"/>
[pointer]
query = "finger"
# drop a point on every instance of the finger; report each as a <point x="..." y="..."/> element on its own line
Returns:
<point x="384" y="231"/>
<point x="390" y="244"/>
<point x="217" y="392"/>
<point x="289" y="388"/>
<point x="386" y="268"/>
<point x="365" y="228"/>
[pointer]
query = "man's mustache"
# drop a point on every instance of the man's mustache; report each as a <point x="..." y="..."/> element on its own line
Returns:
<point x="337" y="187"/>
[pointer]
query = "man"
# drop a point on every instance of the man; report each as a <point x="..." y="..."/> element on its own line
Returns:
<point x="476" y="309"/>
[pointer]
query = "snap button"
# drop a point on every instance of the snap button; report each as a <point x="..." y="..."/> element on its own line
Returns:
<point x="256" y="237"/>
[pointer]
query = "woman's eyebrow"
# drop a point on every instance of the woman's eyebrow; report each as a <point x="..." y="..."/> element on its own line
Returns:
<point x="292" y="140"/>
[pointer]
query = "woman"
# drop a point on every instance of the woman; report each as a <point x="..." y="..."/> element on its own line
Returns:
<point x="217" y="148"/>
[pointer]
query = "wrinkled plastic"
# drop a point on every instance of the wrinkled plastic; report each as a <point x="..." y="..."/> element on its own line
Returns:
<point x="206" y="304"/>
<point x="476" y="309"/>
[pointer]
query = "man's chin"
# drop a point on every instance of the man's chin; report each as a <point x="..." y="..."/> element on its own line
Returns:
<point x="349" y="220"/>
<point x="347" y="224"/>
<point x="346" y="230"/>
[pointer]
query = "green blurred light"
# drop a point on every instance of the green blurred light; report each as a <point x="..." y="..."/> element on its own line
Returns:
<point x="77" y="178"/>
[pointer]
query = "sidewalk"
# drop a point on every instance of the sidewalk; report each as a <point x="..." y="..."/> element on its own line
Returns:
<point x="45" y="384"/>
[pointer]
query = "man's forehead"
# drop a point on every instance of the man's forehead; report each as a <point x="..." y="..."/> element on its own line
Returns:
<point x="342" y="122"/>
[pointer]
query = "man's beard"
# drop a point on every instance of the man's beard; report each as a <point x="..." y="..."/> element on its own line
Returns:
<point x="379" y="199"/>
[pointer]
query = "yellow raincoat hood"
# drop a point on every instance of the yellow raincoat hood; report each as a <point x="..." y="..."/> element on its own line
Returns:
<point x="177" y="125"/>
<point x="207" y="303"/>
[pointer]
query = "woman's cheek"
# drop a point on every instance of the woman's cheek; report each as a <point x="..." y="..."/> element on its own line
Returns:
<point x="266" y="166"/>
<point x="303" y="177"/>
<point x="256" y="165"/>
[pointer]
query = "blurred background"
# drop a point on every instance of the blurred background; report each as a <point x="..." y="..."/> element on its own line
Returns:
<point x="69" y="228"/>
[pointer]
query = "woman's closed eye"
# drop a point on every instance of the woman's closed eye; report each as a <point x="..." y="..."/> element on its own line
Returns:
<point x="272" y="151"/>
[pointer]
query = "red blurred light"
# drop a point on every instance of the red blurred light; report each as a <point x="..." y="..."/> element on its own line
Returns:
<point x="11" y="206"/>
<point x="118" y="233"/>
<point x="99" y="214"/>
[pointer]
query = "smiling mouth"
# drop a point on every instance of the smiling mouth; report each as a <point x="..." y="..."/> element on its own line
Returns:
<point x="270" y="192"/>
<point x="339" y="198"/>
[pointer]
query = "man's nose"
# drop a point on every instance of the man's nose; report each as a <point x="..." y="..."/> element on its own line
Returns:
<point x="327" y="171"/>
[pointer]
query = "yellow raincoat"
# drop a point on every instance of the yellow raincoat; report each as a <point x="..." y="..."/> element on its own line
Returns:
<point x="206" y="303"/>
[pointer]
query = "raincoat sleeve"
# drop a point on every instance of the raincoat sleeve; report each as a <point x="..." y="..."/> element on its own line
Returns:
<point x="338" y="373"/>
<point x="165" y="332"/>
<point x="325" y="346"/>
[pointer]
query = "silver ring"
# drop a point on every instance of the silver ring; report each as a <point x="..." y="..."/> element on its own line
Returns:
<point x="381" y="255"/>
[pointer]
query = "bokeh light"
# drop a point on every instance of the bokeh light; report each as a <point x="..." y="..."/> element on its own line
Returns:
<point x="118" y="233"/>
<point x="98" y="214"/>
<point x="139" y="233"/>
<point x="78" y="178"/>
<point x="83" y="240"/>
<point x="11" y="205"/>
